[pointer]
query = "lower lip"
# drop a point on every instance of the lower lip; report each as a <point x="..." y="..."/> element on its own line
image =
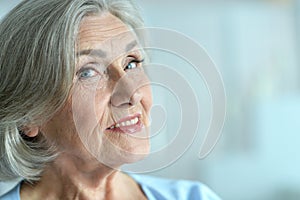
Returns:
<point x="131" y="129"/>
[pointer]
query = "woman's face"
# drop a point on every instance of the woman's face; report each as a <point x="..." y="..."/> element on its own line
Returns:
<point x="106" y="115"/>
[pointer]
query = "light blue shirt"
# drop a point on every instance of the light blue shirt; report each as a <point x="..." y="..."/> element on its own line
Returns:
<point x="155" y="189"/>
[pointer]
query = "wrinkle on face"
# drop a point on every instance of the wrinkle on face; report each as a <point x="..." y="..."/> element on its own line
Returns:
<point x="89" y="112"/>
<point x="108" y="27"/>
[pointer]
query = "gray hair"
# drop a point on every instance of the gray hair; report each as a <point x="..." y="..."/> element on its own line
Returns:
<point x="37" y="61"/>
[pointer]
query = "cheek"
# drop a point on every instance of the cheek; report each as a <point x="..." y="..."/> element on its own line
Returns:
<point x="147" y="98"/>
<point x="101" y="105"/>
<point x="89" y="106"/>
<point x="60" y="127"/>
<point x="83" y="109"/>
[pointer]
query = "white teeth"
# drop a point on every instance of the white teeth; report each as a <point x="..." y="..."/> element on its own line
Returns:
<point x="126" y="123"/>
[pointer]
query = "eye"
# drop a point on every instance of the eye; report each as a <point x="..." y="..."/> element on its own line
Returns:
<point x="133" y="64"/>
<point x="87" y="73"/>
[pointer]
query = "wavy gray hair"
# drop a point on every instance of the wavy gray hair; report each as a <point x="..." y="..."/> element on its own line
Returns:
<point x="37" y="61"/>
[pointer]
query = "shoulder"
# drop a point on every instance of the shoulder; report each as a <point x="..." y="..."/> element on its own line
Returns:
<point x="10" y="190"/>
<point x="159" y="188"/>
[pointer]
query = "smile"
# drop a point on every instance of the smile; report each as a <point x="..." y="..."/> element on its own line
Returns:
<point x="130" y="124"/>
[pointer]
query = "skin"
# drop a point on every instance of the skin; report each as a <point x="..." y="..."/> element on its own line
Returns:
<point x="105" y="90"/>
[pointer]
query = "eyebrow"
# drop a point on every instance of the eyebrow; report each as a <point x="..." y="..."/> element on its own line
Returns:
<point x="131" y="45"/>
<point x="92" y="52"/>
<point x="103" y="54"/>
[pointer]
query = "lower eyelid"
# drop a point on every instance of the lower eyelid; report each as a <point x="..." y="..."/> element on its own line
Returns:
<point x="83" y="71"/>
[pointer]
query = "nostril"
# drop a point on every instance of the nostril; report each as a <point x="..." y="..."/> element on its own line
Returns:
<point x="135" y="98"/>
<point x="126" y="92"/>
<point x="120" y="99"/>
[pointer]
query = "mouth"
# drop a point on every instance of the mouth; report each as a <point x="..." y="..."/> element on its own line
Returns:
<point x="130" y="125"/>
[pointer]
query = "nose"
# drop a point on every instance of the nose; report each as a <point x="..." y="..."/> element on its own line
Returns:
<point x="126" y="88"/>
<point x="125" y="93"/>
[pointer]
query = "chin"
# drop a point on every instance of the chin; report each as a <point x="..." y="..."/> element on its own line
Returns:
<point x="132" y="153"/>
<point x="116" y="160"/>
<point x="132" y="157"/>
<point x="123" y="149"/>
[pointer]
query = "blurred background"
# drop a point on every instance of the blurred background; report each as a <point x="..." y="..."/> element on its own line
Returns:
<point x="255" y="44"/>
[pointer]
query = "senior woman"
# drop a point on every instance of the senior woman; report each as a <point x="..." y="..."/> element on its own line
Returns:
<point x="74" y="102"/>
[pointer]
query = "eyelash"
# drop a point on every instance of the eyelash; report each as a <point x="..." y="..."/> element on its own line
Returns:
<point x="137" y="61"/>
<point x="84" y="69"/>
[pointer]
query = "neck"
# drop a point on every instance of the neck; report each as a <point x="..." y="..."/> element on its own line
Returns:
<point x="78" y="179"/>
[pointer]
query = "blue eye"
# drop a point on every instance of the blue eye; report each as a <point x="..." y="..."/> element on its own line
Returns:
<point x="87" y="73"/>
<point x="133" y="64"/>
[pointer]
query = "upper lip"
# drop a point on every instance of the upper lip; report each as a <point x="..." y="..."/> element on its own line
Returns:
<point x="124" y="119"/>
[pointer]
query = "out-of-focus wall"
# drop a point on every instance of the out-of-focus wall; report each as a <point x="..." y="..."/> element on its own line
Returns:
<point x="255" y="44"/>
<point x="5" y="6"/>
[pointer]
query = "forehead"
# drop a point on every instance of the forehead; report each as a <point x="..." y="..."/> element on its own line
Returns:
<point x="105" y="32"/>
